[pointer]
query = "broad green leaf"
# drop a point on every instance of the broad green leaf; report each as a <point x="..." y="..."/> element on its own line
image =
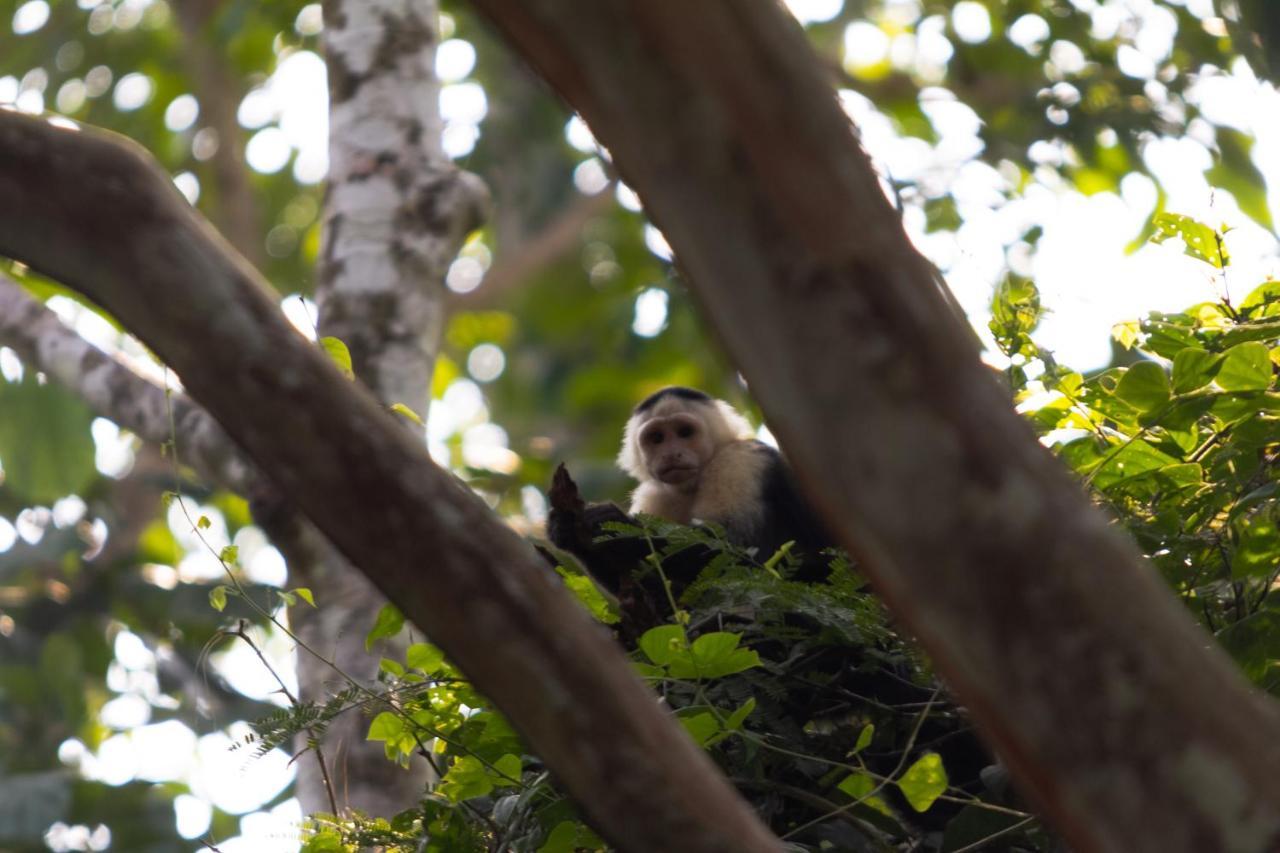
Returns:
<point x="424" y="657"/>
<point x="663" y="644"/>
<point x="864" y="737"/>
<point x="287" y="598"/>
<point x="218" y="598"/>
<point x="1245" y="367"/>
<point x="569" y="836"/>
<point x="507" y="770"/>
<point x="1194" y="368"/>
<point x="386" y="727"/>
<point x="466" y="779"/>
<point x="203" y="523"/>
<point x="859" y="787"/>
<point x="305" y="594"/>
<point x="389" y="622"/>
<point x="1200" y="240"/>
<point x="702" y="727"/>
<point x="45" y="445"/>
<point x="391" y="667"/>
<point x="229" y="554"/>
<point x="924" y="781"/>
<point x="713" y="655"/>
<point x="339" y="355"/>
<point x="1131" y="460"/>
<point x="1145" y="386"/>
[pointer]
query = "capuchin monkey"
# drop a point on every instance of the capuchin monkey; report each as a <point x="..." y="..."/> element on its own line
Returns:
<point x="695" y="460"/>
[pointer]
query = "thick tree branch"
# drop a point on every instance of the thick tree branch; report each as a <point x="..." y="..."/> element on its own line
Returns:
<point x="94" y="212"/>
<point x="1131" y="731"/>
<point x="114" y="391"/>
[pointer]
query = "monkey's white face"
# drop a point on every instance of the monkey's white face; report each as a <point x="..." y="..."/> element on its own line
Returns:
<point x="676" y="448"/>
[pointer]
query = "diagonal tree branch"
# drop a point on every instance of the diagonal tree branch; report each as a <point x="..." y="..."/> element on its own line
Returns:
<point x="717" y="113"/>
<point x="92" y="211"/>
<point x="114" y="391"/>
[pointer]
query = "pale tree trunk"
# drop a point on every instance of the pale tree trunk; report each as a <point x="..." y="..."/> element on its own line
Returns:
<point x="396" y="213"/>
<point x="1114" y="711"/>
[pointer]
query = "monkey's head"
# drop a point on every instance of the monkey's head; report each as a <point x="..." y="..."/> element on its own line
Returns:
<point x="673" y="434"/>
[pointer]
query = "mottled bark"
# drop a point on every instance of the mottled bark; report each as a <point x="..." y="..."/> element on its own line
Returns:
<point x="93" y="211"/>
<point x="396" y="212"/>
<point x="397" y="209"/>
<point x="114" y="391"/>
<point x="1113" y="710"/>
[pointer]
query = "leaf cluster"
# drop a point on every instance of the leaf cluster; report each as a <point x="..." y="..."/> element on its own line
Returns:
<point x="1181" y="443"/>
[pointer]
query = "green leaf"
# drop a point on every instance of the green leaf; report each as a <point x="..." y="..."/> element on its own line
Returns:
<point x="663" y="644"/>
<point x="713" y="655"/>
<point x="218" y="598"/>
<point x="924" y="781"/>
<point x="1200" y="240"/>
<point x="424" y="657"/>
<point x="738" y="717"/>
<point x="288" y="598"/>
<point x="1245" y="367"/>
<point x="569" y="836"/>
<point x="864" y="737"/>
<point x="386" y="726"/>
<point x="404" y="411"/>
<point x="229" y="554"/>
<point x="1194" y="368"/>
<point x="702" y="727"/>
<point x="1144" y="386"/>
<point x="305" y="594"/>
<point x="45" y="445"/>
<point x="508" y="770"/>
<point x="1126" y="334"/>
<point x="466" y="779"/>
<point x="389" y="622"/>
<point x="203" y="523"/>
<point x="325" y="841"/>
<point x="391" y="667"/>
<point x="339" y="355"/>
<point x="859" y="786"/>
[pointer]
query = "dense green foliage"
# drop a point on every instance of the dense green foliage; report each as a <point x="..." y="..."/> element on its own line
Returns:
<point x="1181" y="445"/>
<point x="827" y="721"/>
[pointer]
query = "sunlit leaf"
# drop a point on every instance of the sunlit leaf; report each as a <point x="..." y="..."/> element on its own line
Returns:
<point x="924" y="781"/>
<point x="339" y="355"/>
<point x="389" y="622"/>
<point x="424" y="657"/>
<point x="859" y="786"/>
<point x="1245" y="367"/>
<point x="1200" y="240"/>
<point x="1144" y="386"/>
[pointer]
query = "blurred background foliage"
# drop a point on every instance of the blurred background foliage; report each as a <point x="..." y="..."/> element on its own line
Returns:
<point x="565" y="310"/>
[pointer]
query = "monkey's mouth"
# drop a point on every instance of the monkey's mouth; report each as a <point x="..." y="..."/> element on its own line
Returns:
<point x="677" y="472"/>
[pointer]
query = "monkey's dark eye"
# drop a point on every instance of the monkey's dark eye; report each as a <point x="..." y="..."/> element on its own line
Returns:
<point x="685" y="431"/>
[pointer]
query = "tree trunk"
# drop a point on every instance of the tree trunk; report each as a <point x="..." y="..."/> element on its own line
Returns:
<point x="1129" y="729"/>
